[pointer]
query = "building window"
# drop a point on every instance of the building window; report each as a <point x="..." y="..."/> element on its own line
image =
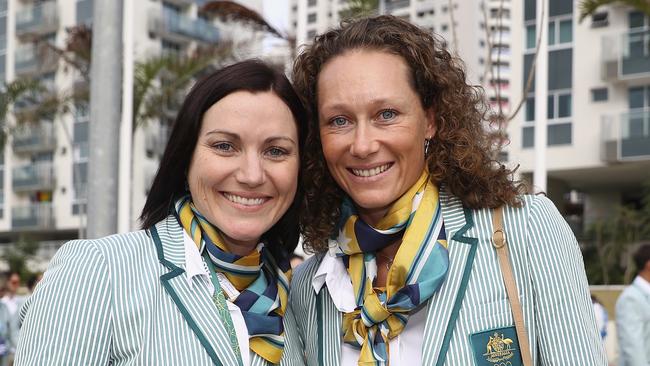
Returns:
<point x="528" y="137"/>
<point x="638" y="97"/>
<point x="636" y="19"/>
<point x="311" y="34"/>
<point x="531" y="36"/>
<point x="560" y="31"/>
<point x="599" y="94"/>
<point x="481" y="43"/>
<point x="559" y="105"/>
<point x="445" y="27"/>
<point x="312" y="2"/>
<point x="530" y="109"/>
<point x="599" y="20"/>
<point x="311" y="18"/>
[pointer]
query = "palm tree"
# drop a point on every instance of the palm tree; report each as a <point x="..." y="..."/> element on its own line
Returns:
<point x="589" y="7"/>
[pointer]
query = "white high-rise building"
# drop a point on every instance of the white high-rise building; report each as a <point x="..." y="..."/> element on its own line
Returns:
<point x="598" y="148"/>
<point x="467" y="34"/>
<point x="44" y="167"/>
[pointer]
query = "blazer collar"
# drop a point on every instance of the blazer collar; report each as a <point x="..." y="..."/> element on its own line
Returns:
<point x="444" y="306"/>
<point x="193" y="301"/>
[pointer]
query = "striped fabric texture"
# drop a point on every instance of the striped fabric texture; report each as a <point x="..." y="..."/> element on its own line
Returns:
<point x="263" y="284"/>
<point x="121" y="300"/>
<point x="550" y="279"/>
<point x="418" y="270"/>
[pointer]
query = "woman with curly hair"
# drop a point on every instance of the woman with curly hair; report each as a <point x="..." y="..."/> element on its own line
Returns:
<point x="400" y="198"/>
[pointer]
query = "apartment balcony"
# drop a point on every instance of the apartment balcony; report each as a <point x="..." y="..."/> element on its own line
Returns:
<point x="182" y="3"/>
<point x="34" y="138"/>
<point x="33" y="177"/>
<point x="626" y="56"/>
<point x="37" y="19"/>
<point x="32" y="60"/>
<point x="34" y="216"/>
<point x="180" y="28"/>
<point x="626" y="137"/>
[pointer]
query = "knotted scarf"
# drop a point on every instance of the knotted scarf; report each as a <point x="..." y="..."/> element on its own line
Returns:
<point x="417" y="272"/>
<point x="263" y="283"/>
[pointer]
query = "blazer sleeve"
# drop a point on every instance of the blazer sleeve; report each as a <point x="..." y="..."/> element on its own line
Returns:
<point x="293" y="354"/>
<point x="629" y="323"/>
<point x="67" y="321"/>
<point x="564" y="316"/>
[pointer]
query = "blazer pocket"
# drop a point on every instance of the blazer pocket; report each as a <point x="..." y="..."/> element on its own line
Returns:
<point x="495" y="314"/>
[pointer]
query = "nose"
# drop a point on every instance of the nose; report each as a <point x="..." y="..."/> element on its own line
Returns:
<point x="251" y="171"/>
<point x="364" y="143"/>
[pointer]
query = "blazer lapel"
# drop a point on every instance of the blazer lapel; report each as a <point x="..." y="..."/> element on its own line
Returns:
<point x="329" y="321"/>
<point x="197" y="309"/>
<point x="443" y="308"/>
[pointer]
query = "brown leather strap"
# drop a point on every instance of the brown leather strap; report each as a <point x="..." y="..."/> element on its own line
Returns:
<point x="499" y="241"/>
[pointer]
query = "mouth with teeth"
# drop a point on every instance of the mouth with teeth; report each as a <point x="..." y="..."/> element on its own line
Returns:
<point x="370" y="172"/>
<point x="245" y="201"/>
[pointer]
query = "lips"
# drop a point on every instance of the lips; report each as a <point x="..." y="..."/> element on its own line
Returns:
<point x="370" y="172"/>
<point x="245" y="201"/>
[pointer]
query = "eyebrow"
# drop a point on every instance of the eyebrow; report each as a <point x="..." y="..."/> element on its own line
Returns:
<point x="374" y="102"/>
<point x="236" y="137"/>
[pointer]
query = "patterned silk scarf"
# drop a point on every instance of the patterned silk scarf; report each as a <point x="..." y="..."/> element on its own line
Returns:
<point x="418" y="270"/>
<point x="263" y="283"/>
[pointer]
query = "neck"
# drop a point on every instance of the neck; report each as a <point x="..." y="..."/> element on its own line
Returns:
<point x="372" y="216"/>
<point x="645" y="274"/>
<point x="240" y="247"/>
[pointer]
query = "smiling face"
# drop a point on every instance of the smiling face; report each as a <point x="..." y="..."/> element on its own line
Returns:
<point x="372" y="128"/>
<point x="244" y="169"/>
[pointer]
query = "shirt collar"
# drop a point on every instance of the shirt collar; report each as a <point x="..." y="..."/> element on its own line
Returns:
<point x="332" y="273"/>
<point x="644" y="285"/>
<point x="194" y="265"/>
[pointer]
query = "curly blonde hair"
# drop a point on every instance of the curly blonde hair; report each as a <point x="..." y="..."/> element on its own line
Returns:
<point x="460" y="156"/>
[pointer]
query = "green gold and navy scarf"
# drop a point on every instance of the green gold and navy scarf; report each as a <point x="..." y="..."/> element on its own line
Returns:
<point x="263" y="283"/>
<point x="418" y="270"/>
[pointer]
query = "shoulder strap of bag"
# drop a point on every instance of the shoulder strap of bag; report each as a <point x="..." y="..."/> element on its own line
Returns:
<point x="500" y="244"/>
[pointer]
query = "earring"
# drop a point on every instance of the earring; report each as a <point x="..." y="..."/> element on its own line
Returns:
<point x="427" y="142"/>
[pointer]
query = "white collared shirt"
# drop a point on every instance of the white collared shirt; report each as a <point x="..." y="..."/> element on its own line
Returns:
<point x="405" y="349"/>
<point x="643" y="284"/>
<point x="195" y="266"/>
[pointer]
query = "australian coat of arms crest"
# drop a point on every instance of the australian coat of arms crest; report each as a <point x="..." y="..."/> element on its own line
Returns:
<point x="499" y="348"/>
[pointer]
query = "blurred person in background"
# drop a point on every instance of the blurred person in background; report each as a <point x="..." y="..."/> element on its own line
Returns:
<point x="399" y="209"/>
<point x="206" y="280"/>
<point x="633" y="314"/>
<point x="601" y="317"/>
<point x="11" y="299"/>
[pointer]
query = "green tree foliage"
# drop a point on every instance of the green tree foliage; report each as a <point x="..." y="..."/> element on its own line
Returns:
<point x="17" y="254"/>
<point x="611" y="243"/>
<point x="589" y="7"/>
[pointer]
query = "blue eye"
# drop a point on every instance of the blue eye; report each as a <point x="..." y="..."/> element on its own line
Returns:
<point x="339" y="121"/>
<point x="388" y="114"/>
<point x="223" y="146"/>
<point x="276" y="152"/>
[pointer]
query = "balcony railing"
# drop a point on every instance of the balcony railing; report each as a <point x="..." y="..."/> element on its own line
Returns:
<point x="36" y="138"/>
<point x="37" y="19"/>
<point x="392" y="5"/>
<point x="181" y="28"/>
<point x="33" y="177"/>
<point x="626" y="56"/>
<point x="35" y="216"/>
<point x="626" y="137"/>
<point x="31" y="60"/>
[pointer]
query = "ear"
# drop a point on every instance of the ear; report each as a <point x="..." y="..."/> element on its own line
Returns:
<point x="431" y="128"/>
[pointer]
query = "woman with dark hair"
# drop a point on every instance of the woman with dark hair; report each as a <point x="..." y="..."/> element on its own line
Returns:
<point x="205" y="282"/>
<point x="402" y="208"/>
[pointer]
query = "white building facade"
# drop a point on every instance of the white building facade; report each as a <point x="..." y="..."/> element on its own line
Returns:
<point x="45" y="165"/>
<point x="598" y="148"/>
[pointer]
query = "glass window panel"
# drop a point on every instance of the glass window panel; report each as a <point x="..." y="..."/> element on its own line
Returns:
<point x="560" y="67"/>
<point x="529" y="9"/>
<point x="599" y="95"/>
<point x="635" y="97"/>
<point x="560" y="7"/>
<point x="559" y="134"/>
<point x="530" y="109"/>
<point x="528" y="137"/>
<point x="550" y="107"/>
<point x="564" y="105"/>
<point x="528" y="62"/>
<point x="530" y="36"/>
<point x="566" y="31"/>
<point x="551" y="33"/>
<point x="636" y="19"/>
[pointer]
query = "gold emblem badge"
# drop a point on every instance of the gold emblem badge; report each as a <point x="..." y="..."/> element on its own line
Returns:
<point x="499" y="348"/>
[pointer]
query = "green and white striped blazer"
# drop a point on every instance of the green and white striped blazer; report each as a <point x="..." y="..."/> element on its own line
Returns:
<point x="124" y="300"/>
<point x="550" y="278"/>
